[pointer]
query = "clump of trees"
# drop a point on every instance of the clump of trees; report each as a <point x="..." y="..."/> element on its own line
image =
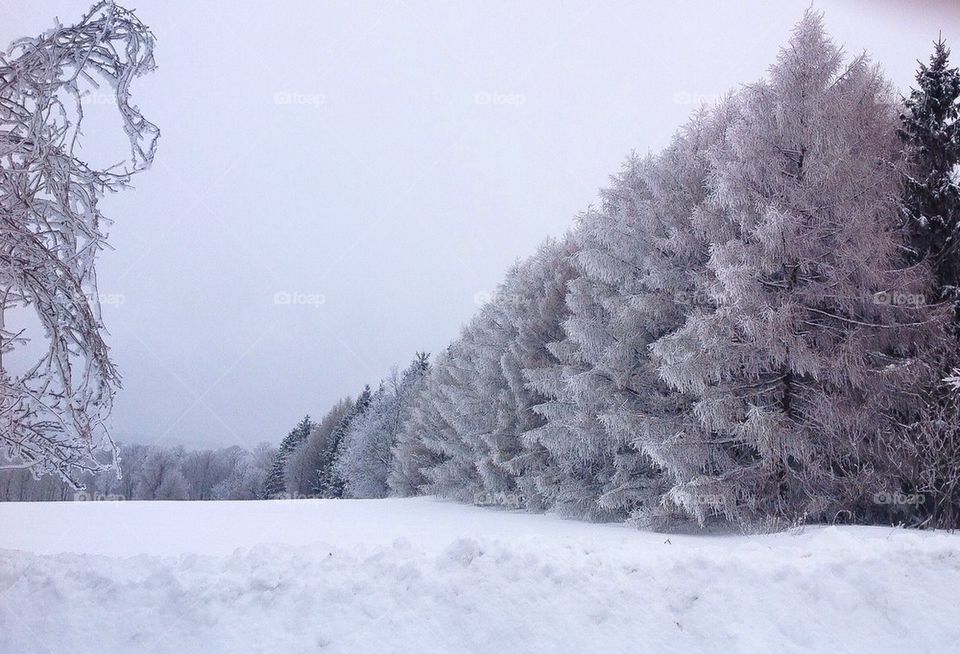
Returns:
<point x="155" y="472"/>
<point x="756" y="325"/>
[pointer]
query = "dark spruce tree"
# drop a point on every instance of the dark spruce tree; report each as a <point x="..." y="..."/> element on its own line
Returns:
<point x="421" y="361"/>
<point x="931" y="131"/>
<point x="275" y="485"/>
<point x="329" y="483"/>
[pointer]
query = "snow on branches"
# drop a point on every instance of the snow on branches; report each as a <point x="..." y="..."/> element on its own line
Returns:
<point x="56" y="378"/>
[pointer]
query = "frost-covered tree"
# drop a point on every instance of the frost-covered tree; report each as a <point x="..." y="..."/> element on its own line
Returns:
<point x="572" y="433"/>
<point x="330" y="483"/>
<point x="311" y="460"/>
<point x="479" y="396"/>
<point x="466" y="438"/>
<point x="531" y="301"/>
<point x="807" y="362"/>
<point x="206" y="471"/>
<point x="248" y="480"/>
<point x="366" y="458"/>
<point x="454" y="470"/>
<point x="482" y="405"/>
<point x="412" y="456"/>
<point x="275" y="485"/>
<point x="133" y="456"/>
<point x="639" y="256"/>
<point x="53" y="408"/>
<point x="160" y="477"/>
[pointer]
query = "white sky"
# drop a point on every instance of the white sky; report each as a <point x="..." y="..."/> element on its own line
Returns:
<point x="424" y="148"/>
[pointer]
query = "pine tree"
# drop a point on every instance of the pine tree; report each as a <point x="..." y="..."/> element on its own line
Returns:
<point x="304" y="466"/>
<point x="357" y="452"/>
<point x="329" y="482"/>
<point x="418" y="451"/>
<point x="410" y="457"/>
<point x="808" y="361"/>
<point x="366" y="455"/>
<point x="639" y="255"/>
<point x="572" y="433"/>
<point x="533" y="303"/>
<point x="276" y="485"/>
<point x="456" y="459"/>
<point x="481" y="395"/>
<point x="931" y="131"/>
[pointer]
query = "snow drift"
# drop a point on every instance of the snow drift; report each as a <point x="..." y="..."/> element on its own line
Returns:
<point x="428" y="576"/>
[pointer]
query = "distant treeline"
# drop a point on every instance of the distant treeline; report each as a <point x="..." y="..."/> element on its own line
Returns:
<point x="155" y="472"/>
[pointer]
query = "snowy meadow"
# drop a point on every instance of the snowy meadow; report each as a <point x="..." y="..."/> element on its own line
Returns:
<point x="422" y="575"/>
<point x="718" y="409"/>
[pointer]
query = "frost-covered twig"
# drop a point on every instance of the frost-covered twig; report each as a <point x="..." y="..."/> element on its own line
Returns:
<point x="53" y="408"/>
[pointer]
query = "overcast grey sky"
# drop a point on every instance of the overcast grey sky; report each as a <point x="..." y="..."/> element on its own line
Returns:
<point x="392" y="159"/>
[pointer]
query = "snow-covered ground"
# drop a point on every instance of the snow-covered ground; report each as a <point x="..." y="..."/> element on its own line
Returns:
<point x="421" y="575"/>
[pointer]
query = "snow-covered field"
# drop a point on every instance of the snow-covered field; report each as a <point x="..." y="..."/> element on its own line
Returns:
<point x="421" y="575"/>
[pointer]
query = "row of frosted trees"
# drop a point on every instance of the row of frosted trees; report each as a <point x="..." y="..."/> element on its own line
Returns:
<point x="753" y="326"/>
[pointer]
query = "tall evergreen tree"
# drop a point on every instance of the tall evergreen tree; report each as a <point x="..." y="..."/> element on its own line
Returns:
<point x="572" y="431"/>
<point x="276" y="485"/>
<point x="535" y="308"/>
<point x="480" y="395"/>
<point x="411" y="456"/>
<point x="305" y="465"/>
<point x="456" y="456"/>
<point x="640" y="255"/>
<point x="367" y="449"/>
<point x="931" y="130"/>
<point x="330" y="483"/>
<point x="809" y="361"/>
